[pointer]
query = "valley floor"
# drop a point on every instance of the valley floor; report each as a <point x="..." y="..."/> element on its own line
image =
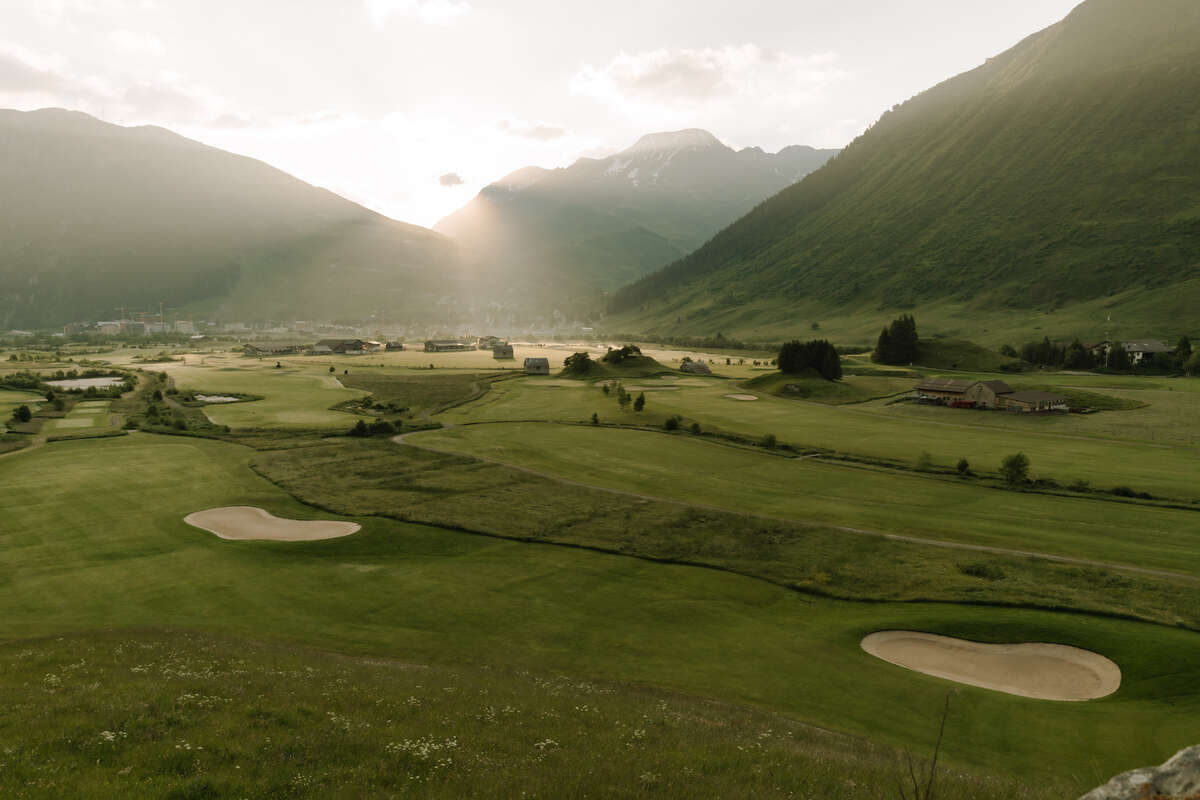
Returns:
<point x="663" y="613"/>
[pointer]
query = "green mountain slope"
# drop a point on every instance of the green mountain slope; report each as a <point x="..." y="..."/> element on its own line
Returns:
<point x="99" y="217"/>
<point x="1061" y="176"/>
<point x="601" y="223"/>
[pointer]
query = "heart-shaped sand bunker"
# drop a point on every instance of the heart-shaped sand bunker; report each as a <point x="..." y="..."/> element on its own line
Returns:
<point x="252" y="523"/>
<point x="1039" y="670"/>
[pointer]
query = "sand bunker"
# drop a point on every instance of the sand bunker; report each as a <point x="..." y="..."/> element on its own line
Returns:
<point x="249" y="522"/>
<point x="741" y="397"/>
<point x="1041" y="671"/>
<point x="217" y="398"/>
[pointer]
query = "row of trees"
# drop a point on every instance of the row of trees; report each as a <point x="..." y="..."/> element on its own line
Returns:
<point x="898" y="342"/>
<point x="820" y="355"/>
<point x="1076" y="356"/>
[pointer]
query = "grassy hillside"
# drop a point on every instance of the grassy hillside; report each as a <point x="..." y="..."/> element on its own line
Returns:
<point x="187" y="715"/>
<point x="1063" y="172"/>
<point x="98" y="526"/>
<point x="102" y="217"/>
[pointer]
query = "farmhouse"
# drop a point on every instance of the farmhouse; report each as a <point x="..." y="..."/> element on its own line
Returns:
<point x="1138" y="351"/>
<point x="946" y="391"/>
<point x="502" y="351"/>
<point x="488" y="342"/>
<point x="1034" y="401"/>
<point x="988" y="394"/>
<point x="695" y="367"/>
<point x="262" y="349"/>
<point x="537" y="366"/>
<point x="447" y="345"/>
<point x="346" y="346"/>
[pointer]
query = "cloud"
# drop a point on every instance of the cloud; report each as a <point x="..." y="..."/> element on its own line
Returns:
<point x="30" y="79"/>
<point x="451" y="179"/>
<point x="435" y="12"/>
<point x="23" y="72"/>
<point x="690" y="77"/>
<point x="139" y="43"/>
<point x="53" y="13"/>
<point x="538" y="131"/>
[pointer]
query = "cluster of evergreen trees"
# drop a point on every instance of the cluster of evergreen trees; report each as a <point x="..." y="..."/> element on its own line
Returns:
<point x="1075" y="356"/>
<point x="796" y="356"/>
<point x="897" y="342"/>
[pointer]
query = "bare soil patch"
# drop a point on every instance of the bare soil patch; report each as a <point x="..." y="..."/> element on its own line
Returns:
<point x="252" y="523"/>
<point x="1035" y="669"/>
<point x="742" y="397"/>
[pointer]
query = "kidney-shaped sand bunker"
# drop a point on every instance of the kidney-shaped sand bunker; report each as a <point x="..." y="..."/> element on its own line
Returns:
<point x="250" y="522"/>
<point x="1038" y="670"/>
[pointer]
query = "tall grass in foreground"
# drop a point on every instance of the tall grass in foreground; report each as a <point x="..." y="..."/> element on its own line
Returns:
<point x="178" y="715"/>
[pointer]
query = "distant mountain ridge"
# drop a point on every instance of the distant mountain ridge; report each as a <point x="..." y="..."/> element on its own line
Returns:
<point x="99" y="217"/>
<point x="602" y="222"/>
<point x="1064" y="171"/>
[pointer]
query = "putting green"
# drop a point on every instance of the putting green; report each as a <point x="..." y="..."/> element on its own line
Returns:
<point x="95" y="528"/>
<point x="297" y="397"/>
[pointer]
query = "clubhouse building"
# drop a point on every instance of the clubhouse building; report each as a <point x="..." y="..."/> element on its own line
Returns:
<point x="993" y="395"/>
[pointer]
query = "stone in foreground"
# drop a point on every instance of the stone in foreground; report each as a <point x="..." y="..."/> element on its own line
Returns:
<point x="1178" y="779"/>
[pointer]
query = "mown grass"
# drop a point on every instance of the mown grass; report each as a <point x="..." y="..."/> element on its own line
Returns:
<point x="419" y="393"/>
<point x="360" y="478"/>
<point x="94" y="538"/>
<point x="1081" y="398"/>
<point x="295" y="397"/>
<point x="852" y="389"/>
<point x="179" y="715"/>
<point x="693" y="470"/>
<point x="1063" y="447"/>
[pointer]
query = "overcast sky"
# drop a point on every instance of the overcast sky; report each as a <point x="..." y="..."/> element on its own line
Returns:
<point x="411" y="106"/>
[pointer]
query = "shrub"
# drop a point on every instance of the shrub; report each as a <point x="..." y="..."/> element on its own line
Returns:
<point x="595" y="418"/>
<point x="1015" y="468"/>
<point x="22" y="413"/>
<point x="672" y="423"/>
<point x="696" y="428"/>
<point x="963" y="466"/>
<point x="640" y="403"/>
<point x="577" y="364"/>
<point x="381" y="427"/>
<point x="617" y="356"/>
<point x="981" y="569"/>
<point x="360" y="429"/>
<point x="1125" y="491"/>
<point x="769" y="441"/>
<point x="924" y="461"/>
